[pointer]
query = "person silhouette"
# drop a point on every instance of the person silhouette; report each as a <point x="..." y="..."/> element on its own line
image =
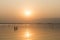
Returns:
<point x="15" y="28"/>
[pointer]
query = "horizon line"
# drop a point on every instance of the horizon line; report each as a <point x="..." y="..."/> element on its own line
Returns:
<point x="29" y="23"/>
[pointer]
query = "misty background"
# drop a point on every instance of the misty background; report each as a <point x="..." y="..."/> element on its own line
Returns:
<point x="45" y="11"/>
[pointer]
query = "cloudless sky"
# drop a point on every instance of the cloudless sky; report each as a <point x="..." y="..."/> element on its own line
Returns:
<point x="11" y="9"/>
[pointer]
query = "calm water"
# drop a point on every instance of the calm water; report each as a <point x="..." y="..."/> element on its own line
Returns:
<point x="38" y="31"/>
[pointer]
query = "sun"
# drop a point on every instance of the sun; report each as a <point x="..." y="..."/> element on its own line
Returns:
<point x="27" y="13"/>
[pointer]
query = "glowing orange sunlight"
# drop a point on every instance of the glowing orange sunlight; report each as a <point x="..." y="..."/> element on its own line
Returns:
<point x="27" y="13"/>
<point x="27" y="34"/>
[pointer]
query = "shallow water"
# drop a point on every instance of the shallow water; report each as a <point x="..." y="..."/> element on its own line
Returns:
<point x="37" y="31"/>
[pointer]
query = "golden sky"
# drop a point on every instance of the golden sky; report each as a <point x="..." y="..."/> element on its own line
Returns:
<point x="12" y="9"/>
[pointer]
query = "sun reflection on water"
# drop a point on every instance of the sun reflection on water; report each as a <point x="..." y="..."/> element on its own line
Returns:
<point x="26" y="33"/>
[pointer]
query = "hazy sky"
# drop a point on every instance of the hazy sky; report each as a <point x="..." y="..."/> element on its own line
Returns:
<point x="12" y="9"/>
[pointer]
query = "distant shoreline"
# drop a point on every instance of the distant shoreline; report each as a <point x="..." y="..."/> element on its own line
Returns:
<point x="29" y="23"/>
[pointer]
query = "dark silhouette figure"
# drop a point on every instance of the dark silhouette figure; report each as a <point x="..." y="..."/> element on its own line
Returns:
<point x="15" y="28"/>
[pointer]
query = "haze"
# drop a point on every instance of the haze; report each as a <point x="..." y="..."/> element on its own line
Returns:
<point x="11" y="10"/>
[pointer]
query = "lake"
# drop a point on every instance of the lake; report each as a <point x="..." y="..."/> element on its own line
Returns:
<point x="32" y="31"/>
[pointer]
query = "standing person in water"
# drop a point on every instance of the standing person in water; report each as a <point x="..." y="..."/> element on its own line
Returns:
<point x="15" y="28"/>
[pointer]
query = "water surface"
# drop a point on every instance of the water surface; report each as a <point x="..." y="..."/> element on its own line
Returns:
<point x="38" y="31"/>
